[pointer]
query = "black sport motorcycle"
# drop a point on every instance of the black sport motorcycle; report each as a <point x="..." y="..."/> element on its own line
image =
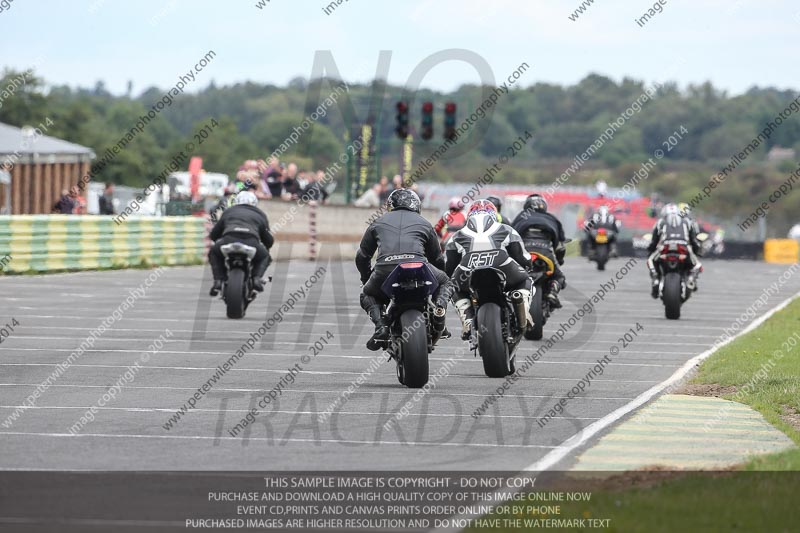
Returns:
<point x="499" y="317"/>
<point x="541" y="272"/>
<point x="238" y="291"/>
<point x="676" y="284"/>
<point x="414" y="326"/>
<point x="601" y="241"/>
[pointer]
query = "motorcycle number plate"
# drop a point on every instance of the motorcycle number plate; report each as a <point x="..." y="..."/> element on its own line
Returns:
<point x="602" y="239"/>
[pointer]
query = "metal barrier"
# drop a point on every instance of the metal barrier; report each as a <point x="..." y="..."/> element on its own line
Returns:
<point x="46" y="243"/>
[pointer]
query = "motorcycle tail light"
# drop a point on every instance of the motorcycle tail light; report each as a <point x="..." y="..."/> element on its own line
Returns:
<point x="601" y="231"/>
<point x="534" y="256"/>
<point x="411" y="265"/>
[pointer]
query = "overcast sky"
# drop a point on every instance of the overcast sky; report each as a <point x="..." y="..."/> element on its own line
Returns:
<point x="735" y="44"/>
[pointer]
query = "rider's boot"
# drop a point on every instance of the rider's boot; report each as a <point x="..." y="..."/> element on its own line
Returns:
<point x="552" y="294"/>
<point x="258" y="284"/>
<point x="527" y="296"/>
<point x="654" y="284"/>
<point x="258" y="275"/>
<point x="381" y="329"/>
<point x="464" y="309"/>
<point x="215" y="288"/>
<point x="691" y="280"/>
<point x="439" y="313"/>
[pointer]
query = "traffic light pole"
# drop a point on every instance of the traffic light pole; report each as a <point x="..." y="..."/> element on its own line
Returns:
<point x="369" y="133"/>
<point x="377" y="135"/>
<point x="348" y="175"/>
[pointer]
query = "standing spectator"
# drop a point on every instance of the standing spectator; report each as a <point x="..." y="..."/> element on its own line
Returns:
<point x="397" y="182"/>
<point x="80" y="202"/>
<point x="262" y="191"/>
<point x="315" y="190"/>
<point x="275" y="178"/>
<point x="65" y="205"/>
<point x="385" y="189"/>
<point x="291" y="187"/>
<point x="370" y="198"/>
<point x="107" y="200"/>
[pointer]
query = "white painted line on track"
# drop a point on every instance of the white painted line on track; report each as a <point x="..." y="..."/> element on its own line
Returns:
<point x="87" y="329"/>
<point x="312" y="372"/>
<point x="367" y="357"/>
<point x="393" y="392"/>
<point x="283" y="441"/>
<point x="235" y="336"/>
<point x="239" y="341"/>
<point x="279" y="411"/>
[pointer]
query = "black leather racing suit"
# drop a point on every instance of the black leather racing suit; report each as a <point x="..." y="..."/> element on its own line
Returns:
<point x="543" y="233"/>
<point x="399" y="232"/>
<point x="248" y="225"/>
<point x="676" y="229"/>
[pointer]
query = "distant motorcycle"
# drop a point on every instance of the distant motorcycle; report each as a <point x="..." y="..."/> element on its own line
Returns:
<point x="238" y="290"/>
<point x="603" y="239"/>
<point x="712" y="245"/>
<point x="500" y="318"/>
<point x="674" y="267"/>
<point x="414" y="326"/>
<point x="541" y="273"/>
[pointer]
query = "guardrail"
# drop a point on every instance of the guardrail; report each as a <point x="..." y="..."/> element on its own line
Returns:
<point x="48" y="243"/>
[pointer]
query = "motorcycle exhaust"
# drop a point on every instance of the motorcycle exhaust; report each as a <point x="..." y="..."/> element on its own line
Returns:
<point x="438" y="319"/>
<point x="519" y="306"/>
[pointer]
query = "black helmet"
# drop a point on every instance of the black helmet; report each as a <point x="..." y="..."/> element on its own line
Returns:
<point x="403" y="199"/>
<point x="498" y="203"/>
<point x="536" y="202"/>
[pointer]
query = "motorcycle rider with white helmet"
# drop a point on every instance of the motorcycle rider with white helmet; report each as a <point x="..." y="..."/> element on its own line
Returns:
<point x="673" y="226"/>
<point x="243" y="222"/>
<point x="483" y="232"/>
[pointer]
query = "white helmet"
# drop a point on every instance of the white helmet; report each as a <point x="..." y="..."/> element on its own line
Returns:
<point x="669" y="209"/>
<point x="246" y="198"/>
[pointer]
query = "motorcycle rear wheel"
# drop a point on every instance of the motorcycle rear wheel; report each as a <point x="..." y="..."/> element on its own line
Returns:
<point x="601" y="256"/>
<point x="491" y="345"/>
<point x="672" y="296"/>
<point x="414" y="349"/>
<point x="235" y="298"/>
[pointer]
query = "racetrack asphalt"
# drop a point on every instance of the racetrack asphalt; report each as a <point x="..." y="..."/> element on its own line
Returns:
<point x="56" y="313"/>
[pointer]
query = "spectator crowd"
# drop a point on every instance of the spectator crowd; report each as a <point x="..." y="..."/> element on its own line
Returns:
<point x="377" y="195"/>
<point x="272" y="179"/>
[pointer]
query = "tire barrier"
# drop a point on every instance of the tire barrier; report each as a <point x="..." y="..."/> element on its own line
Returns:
<point x="51" y="243"/>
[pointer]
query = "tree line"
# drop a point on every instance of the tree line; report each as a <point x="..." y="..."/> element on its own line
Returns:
<point x="254" y="119"/>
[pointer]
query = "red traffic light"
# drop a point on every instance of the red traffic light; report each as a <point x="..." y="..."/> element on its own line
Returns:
<point x="402" y="107"/>
<point x="450" y="107"/>
<point x="427" y="107"/>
